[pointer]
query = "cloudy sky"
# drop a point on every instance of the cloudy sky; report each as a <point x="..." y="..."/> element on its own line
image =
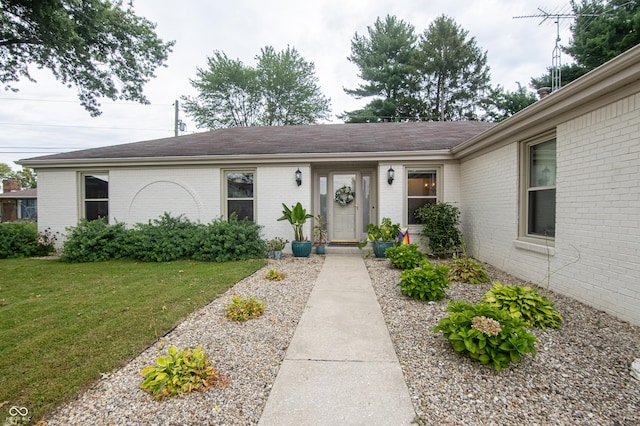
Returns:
<point x="45" y="117"/>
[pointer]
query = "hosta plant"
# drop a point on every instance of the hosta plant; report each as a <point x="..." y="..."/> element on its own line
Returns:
<point x="524" y="302"/>
<point x="275" y="275"/>
<point x="405" y="256"/>
<point x="244" y="309"/>
<point x="466" y="269"/>
<point x="181" y="372"/>
<point x="425" y="283"/>
<point x="486" y="333"/>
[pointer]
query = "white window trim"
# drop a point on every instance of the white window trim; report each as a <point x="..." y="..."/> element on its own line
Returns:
<point x="531" y="242"/>
<point x="82" y="189"/>
<point x="437" y="168"/>
<point x="225" y="195"/>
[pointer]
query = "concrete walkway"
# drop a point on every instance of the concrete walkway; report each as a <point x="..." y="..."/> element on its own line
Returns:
<point x="340" y="368"/>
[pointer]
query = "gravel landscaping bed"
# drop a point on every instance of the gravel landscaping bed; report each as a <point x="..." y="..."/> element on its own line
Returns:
<point x="249" y="353"/>
<point x="580" y="375"/>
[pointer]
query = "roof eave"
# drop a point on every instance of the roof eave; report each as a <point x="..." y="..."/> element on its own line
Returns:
<point x="589" y="92"/>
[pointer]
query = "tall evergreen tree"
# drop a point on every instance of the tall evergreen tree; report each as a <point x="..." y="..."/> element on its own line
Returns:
<point x="455" y="72"/>
<point x="598" y="39"/>
<point x="385" y="57"/>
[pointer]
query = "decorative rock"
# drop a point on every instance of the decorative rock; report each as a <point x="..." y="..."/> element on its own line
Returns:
<point x="635" y="368"/>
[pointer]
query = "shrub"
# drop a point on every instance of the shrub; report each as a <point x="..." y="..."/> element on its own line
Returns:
<point x="425" y="283"/>
<point x="405" y="256"/>
<point x="244" y="309"/>
<point x="275" y="275"/>
<point x="162" y="240"/>
<point x="180" y="373"/>
<point x="440" y="223"/>
<point x="486" y="333"/>
<point x="525" y="303"/>
<point x="18" y="239"/>
<point x="94" y="241"/>
<point x="468" y="270"/>
<point x="226" y="240"/>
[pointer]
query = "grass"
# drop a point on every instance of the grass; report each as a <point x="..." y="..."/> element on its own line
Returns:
<point x="62" y="325"/>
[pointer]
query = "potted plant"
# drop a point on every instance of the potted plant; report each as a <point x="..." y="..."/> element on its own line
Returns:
<point x="297" y="216"/>
<point x="275" y="246"/>
<point x="382" y="237"/>
<point x="320" y="234"/>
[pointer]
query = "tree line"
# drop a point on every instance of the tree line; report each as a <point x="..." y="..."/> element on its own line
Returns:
<point x="105" y="50"/>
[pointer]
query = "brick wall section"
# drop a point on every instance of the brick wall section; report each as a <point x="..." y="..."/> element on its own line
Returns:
<point x="596" y="258"/>
<point x="598" y="193"/>
<point x="57" y="201"/>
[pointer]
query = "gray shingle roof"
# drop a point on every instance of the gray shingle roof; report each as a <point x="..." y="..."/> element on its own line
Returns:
<point x="311" y="139"/>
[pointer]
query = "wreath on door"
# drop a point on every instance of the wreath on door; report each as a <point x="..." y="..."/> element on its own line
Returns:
<point x="345" y="196"/>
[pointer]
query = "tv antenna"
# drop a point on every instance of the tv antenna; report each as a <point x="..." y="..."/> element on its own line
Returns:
<point x="556" y="60"/>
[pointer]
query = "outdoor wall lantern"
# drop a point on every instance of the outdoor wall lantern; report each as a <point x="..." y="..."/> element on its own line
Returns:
<point x="390" y="175"/>
<point x="298" y="177"/>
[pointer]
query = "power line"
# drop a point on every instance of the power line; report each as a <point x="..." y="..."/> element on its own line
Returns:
<point x="83" y="127"/>
<point x="75" y="101"/>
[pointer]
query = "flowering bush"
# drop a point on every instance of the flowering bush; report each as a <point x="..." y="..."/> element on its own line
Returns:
<point x="486" y="334"/>
<point x="46" y="242"/>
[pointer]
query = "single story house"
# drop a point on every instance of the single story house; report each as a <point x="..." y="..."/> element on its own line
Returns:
<point x="551" y="195"/>
<point x="17" y="203"/>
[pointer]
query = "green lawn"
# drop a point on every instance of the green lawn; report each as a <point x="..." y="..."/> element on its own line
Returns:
<point x="61" y="325"/>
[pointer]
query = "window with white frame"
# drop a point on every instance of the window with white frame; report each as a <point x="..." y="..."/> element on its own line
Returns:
<point x="95" y="196"/>
<point x="539" y="198"/>
<point x="422" y="189"/>
<point x="239" y="194"/>
<point x="27" y="208"/>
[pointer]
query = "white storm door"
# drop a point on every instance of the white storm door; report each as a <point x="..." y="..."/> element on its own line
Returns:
<point x="344" y="217"/>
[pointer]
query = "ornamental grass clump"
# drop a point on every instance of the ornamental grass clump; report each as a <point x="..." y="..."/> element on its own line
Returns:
<point x="180" y="373"/>
<point x="405" y="256"/>
<point x="465" y="269"/>
<point x="425" y="283"/>
<point x="525" y="303"/>
<point x="486" y="334"/>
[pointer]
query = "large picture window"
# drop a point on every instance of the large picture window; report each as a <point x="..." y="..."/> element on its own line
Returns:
<point x="239" y="194"/>
<point x="95" y="192"/>
<point x="422" y="189"/>
<point x="540" y="197"/>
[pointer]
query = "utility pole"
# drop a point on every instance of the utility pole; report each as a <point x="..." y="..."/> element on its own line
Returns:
<point x="178" y="125"/>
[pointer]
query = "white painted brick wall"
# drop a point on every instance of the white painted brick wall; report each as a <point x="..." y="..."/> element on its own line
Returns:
<point x="57" y="201"/>
<point x="596" y="257"/>
<point x="391" y="197"/>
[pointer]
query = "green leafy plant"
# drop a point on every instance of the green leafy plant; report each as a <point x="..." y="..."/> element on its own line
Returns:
<point x="440" y="223"/>
<point x="94" y="241"/>
<point x="466" y="269"/>
<point x="406" y="256"/>
<point x="425" y="283"/>
<point x="276" y="244"/>
<point x="275" y="275"/>
<point x="181" y="372"/>
<point x="486" y="333"/>
<point x="386" y="231"/>
<point x="244" y="309"/>
<point x="297" y="216"/>
<point x="320" y="230"/>
<point x="525" y="303"/>
<point x="18" y="239"/>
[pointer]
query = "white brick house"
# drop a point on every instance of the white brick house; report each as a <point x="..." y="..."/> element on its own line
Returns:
<point x="551" y="195"/>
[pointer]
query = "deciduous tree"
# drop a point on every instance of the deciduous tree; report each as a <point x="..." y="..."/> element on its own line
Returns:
<point x="100" y="47"/>
<point x="281" y="90"/>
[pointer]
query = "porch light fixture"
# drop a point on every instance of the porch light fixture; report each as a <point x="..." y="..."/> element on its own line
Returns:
<point x="298" y="177"/>
<point x="390" y="175"/>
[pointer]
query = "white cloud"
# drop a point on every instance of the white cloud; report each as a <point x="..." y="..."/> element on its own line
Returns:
<point x="47" y="114"/>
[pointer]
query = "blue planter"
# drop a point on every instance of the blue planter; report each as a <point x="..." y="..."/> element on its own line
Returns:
<point x="320" y="249"/>
<point x="379" y="247"/>
<point x="301" y="248"/>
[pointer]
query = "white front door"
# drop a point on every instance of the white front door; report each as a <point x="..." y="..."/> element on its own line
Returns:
<point x="349" y="205"/>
